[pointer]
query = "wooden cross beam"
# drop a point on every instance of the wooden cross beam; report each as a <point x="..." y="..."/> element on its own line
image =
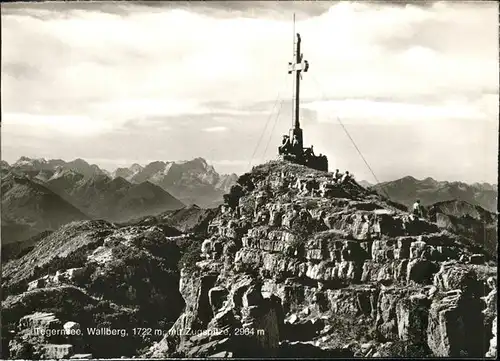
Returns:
<point x="302" y="66"/>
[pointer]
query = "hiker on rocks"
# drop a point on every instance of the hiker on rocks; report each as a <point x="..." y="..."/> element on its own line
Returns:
<point x="336" y="175"/>
<point x="346" y="177"/>
<point x="417" y="209"/>
<point x="206" y="248"/>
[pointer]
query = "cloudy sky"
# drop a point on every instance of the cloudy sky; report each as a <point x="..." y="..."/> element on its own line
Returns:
<point x="118" y="83"/>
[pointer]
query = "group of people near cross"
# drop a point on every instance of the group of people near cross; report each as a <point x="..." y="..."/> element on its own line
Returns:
<point x="294" y="148"/>
<point x="290" y="146"/>
<point x="342" y="178"/>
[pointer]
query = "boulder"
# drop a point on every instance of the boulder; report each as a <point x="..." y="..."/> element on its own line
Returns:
<point x="412" y="314"/>
<point x="456" y="326"/>
<point x="386" y="322"/>
<point x="477" y="259"/>
<point x="421" y="271"/>
<point x="217" y="297"/>
<point x="417" y="249"/>
<point x="453" y="275"/>
<point x="56" y="351"/>
<point x="492" y="351"/>
<point x="446" y="329"/>
<point x="71" y="327"/>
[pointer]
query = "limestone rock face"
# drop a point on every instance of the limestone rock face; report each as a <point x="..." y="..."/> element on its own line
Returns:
<point x="39" y="336"/>
<point x="293" y="264"/>
<point x="412" y="316"/>
<point x="492" y="351"/>
<point x="456" y="325"/>
<point x="490" y="315"/>
<point x="453" y="275"/>
<point x="241" y="321"/>
<point x="336" y="270"/>
<point x="446" y="333"/>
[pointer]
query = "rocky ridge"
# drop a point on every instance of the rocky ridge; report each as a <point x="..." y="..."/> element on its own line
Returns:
<point x="468" y="220"/>
<point x="193" y="181"/>
<point x="40" y="195"/>
<point x="297" y="264"/>
<point x="99" y="276"/>
<point x="429" y="191"/>
<point x="29" y="208"/>
<point x="292" y="265"/>
<point x="190" y="219"/>
<point x="118" y="200"/>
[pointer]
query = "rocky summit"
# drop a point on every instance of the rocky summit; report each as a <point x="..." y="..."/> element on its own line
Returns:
<point x="298" y="265"/>
<point x="293" y="264"/>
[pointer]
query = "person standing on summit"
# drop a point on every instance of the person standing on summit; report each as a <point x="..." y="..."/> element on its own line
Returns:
<point x="336" y="176"/>
<point x="296" y="145"/>
<point x="284" y="145"/>
<point x="346" y="177"/>
<point x="417" y="209"/>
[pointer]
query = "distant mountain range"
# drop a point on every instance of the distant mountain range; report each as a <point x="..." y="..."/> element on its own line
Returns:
<point x="364" y="183"/>
<point x="79" y="190"/>
<point x="468" y="220"/>
<point x="112" y="199"/>
<point x="29" y="208"/>
<point x="193" y="182"/>
<point x="408" y="189"/>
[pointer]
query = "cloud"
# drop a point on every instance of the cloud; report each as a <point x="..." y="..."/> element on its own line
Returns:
<point x="228" y="162"/>
<point x="151" y="75"/>
<point x="249" y="9"/>
<point x="215" y="129"/>
<point x="149" y="107"/>
<point x="368" y="111"/>
<point x="53" y="125"/>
